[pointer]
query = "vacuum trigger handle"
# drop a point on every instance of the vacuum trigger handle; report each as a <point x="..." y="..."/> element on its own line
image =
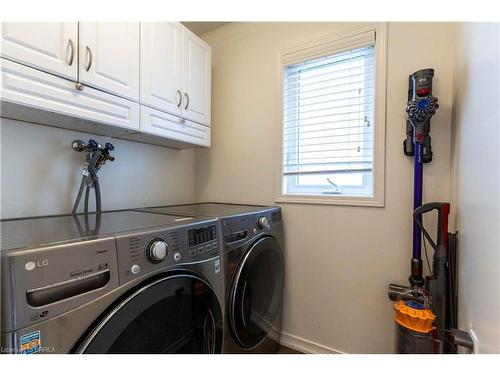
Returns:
<point x="443" y="209"/>
<point x="427" y="208"/>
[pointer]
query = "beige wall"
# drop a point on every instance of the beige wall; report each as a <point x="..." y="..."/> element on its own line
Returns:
<point x="41" y="173"/>
<point x="339" y="260"/>
<point x="476" y="141"/>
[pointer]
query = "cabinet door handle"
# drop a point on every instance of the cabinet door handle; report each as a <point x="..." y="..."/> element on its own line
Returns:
<point x="187" y="100"/>
<point x="91" y="57"/>
<point x="179" y="96"/>
<point x="72" y="48"/>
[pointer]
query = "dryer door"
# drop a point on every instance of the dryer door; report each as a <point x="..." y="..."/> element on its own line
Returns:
<point x="174" y="314"/>
<point x="257" y="293"/>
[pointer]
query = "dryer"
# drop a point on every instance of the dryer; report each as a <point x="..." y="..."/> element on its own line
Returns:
<point x="254" y="272"/>
<point x="118" y="282"/>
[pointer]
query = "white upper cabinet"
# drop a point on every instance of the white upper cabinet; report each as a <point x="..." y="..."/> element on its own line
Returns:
<point x="32" y="95"/>
<point x="161" y="80"/>
<point x="175" y="71"/>
<point x="196" y="77"/>
<point x="47" y="46"/>
<point x="101" y="76"/>
<point x="109" y="57"/>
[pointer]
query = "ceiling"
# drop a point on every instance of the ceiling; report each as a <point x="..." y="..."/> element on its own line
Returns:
<point x="202" y="27"/>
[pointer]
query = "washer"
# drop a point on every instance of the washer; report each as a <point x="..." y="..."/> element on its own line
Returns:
<point x="254" y="272"/>
<point x="119" y="282"/>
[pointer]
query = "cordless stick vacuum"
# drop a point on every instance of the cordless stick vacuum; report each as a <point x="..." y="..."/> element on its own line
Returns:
<point x="422" y="105"/>
<point x="415" y="310"/>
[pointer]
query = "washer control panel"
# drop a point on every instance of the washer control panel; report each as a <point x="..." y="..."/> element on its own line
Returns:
<point x="157" y="250"/>
<point x="203" y="240"/>
<point x="141" y="252"/>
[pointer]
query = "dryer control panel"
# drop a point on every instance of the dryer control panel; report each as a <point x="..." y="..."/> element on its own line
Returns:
<point x="149" y="250"/>
<point x="238" y="229"/>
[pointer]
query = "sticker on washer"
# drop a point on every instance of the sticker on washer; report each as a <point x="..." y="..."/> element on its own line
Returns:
<point x="30" y="343"/>
<point x="217" y="266"/>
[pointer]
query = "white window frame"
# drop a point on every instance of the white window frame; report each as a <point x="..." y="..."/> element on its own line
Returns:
<point x="332" y="45"/>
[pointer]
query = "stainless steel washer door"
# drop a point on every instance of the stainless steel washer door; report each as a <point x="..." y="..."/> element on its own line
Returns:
<point x="257" y="293"/>
<point x="175" y="314"/>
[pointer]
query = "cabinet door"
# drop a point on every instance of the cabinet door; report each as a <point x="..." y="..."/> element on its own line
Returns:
<point x="172" y="127"/>
<point x="196" y="77"/>
<point x="161" y="82"/>
<point x="35" y="90"/>
<point x="47" y="46"/>
<point x="109" y="57"/>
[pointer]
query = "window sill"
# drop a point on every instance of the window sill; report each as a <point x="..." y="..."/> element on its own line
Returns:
<point x="329" y="200"/>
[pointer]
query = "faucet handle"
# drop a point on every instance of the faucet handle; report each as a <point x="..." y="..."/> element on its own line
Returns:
<point x="93" y="145"/>
<point x="109" y="146"/>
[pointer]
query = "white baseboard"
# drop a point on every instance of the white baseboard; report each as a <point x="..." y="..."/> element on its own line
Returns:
<point x="305" y="346"/>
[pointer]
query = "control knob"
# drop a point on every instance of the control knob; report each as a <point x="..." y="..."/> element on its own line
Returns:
<point x="157" y="250"/>
<point x="263" y="222"/>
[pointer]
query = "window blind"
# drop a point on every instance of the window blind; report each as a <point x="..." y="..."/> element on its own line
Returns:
<point x="328" y="110"/>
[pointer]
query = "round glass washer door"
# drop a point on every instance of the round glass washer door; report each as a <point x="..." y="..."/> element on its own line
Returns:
<point x="257" y="293"/>
<point x="174" y="314"/>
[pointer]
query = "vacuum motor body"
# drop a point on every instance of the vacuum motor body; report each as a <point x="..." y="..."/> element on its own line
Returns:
<point x="409" y="341"/>
<point x="415" y="329"/>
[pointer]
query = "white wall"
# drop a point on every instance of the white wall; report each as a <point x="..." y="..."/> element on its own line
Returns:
<point x="339" y="260"/>
<point x="476" y="167"/>
<point x="40" y="172"/>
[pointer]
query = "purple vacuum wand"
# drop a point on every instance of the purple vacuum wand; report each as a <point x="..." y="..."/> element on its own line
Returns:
<point x="422" y="105"/>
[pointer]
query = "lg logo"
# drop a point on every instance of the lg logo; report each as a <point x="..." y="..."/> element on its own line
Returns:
<point x="32" y="265"/>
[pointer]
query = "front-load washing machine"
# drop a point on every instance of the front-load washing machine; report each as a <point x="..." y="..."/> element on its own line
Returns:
<point x="254" y="272"/>
<point x="117" y="282"/>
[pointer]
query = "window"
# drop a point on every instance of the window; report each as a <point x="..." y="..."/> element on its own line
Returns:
<point x="330" y="124"/>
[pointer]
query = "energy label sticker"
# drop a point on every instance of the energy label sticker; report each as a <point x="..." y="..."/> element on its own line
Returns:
<point x="30" y="343"/>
